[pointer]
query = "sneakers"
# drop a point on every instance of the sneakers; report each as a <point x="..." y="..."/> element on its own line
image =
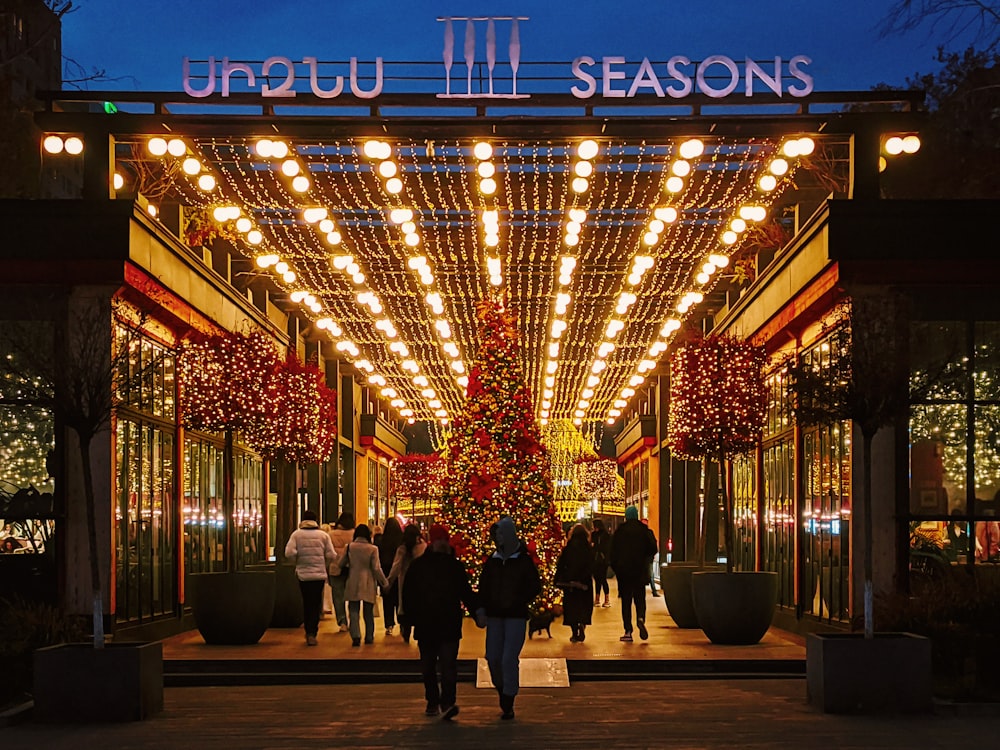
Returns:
<point x="606" y="602"/>
<point x="627" y="638"/>
<point x="432" y="709"/>
<point x="356" y="642"/>
<point x="450" y="713"/>
<point x="310" y="640"/>
<point x="643" y="633"/>
<point x="388" y="630"/>
<point x="343" y="628"/>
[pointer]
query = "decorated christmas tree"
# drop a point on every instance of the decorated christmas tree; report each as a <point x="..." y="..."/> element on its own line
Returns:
<point x="566" y="446"/>
<point x="497" y="463"/>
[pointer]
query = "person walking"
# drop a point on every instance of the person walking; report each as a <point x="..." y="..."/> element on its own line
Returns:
<point x="600" y="540"/>
<point x="509" y="582"/>
<point x="311" y="550"/>
<point x="436" y="588"/>
<point x="413" y="546"/>
<point x="363" y="572"/>
<point x="341" y="535"/>
<point x="574" y="576"/>
<point x="632" y="546"/>
<point x="392" y="537"/>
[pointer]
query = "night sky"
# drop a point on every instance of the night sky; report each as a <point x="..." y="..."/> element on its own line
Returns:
<point x="145" y="46"/>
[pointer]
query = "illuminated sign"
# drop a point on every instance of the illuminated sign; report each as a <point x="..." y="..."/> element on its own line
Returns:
<point x="610" y="77"/>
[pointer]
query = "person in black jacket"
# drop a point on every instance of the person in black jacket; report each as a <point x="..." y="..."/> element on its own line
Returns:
<point x="507" y="586"/>
<point x="600" y="540"/>
<point x="632" y="547"/>
<point x="436" y="587"/>
<point x="573" y="576"/>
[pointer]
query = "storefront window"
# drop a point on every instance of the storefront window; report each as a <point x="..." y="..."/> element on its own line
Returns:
<point x="778" y="537"/>
<point x="744" y="512"/>
<point x="954" y="443"/>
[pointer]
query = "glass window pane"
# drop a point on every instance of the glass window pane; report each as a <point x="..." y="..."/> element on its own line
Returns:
<point x="987" y="458"/>
<point x="987" y="374"/>
<point x="938" y="361"/>
<point x="938" y="458"/>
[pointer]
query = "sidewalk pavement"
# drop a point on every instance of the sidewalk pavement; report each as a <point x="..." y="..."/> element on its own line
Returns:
<point x="679" y="715"/>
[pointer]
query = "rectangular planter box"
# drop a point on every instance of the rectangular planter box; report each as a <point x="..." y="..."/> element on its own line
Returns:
<point x="74" y="682"/>
<point x="891" y="673"/>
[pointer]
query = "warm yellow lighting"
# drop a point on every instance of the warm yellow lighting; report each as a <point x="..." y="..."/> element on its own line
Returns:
<point x="152" y="210"/>
<point x="254" y="237"/>
<point x="326" y="226"/>
<point x="550" y="381"/>
<point x="551" y="366"/>
<point x="587" y="149"/>
<point x="702" y="278"/>
<point x="894" y="146"/>
<point x="290" y="167"/>
<point x="806" y="146"/>
<point x="767" y="183"/>
<point x="778" y="167"/>
<point x="738" y="225"/>
<point x="372" y="149"/>
<point x="486" y="169"/>
<point x="314" y="214"/>
<point x="280" y="266"/>
<point x="300" y="184"/>
<point x="387" y="169"/>
<point x="393" y="186"/>
<point x="675" y="184"/>
<point x="401" y="215"/>
<point x="118" y="181"/>
<point x="681" y="168"/>
<point x="578" y="422"/>
<point x="578" y="215"/>
<point x="491" y="216"/>
<point x="692" y="149"/>
<point x="333" y="238"/>
<point x="573" y="227"/>
<point x="340" y="262"/>
<point x="666" y="214"/>
<point x="176" y="147"/>
<point x="243" y="225"/>
<point x="412" y="239"/>
<point x="709" y="268"/>
<point x="651" y="238"/>
<point x="279" y="149"/>
<point x="583" y="169"/>
<point x="289" y="277"/>
<point x="656" y="226"/>
<point x="911" y="144"/>
<point x="482" y="150"/>
<point x="580" y="185"/>
<point x="157" y="146"/>
<point x="791" y="149"/>
<point x="627" y="393"/>
<point x="74" y="145"/>
<point x="206" y="182"/>
<point x="599" y="366"/>
<point x="488" y="186"/>
<point x="191" y="166"/>
<point x="882" y="164"/>
<point x="572" y="240"/>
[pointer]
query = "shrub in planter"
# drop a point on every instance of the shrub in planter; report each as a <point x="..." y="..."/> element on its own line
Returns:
<point x="24" y="627"/>
<point x="959" y="610"/>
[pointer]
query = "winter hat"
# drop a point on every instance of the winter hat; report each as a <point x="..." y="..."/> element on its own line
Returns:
<point x="437" y="533"/>
<point x="631" y="513"/>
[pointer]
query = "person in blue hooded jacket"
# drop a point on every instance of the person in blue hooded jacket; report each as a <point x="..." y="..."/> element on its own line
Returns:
<point x="508" y="584"/>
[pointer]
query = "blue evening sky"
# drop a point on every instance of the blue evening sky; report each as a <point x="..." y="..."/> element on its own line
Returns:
<point x="148" y="42"/>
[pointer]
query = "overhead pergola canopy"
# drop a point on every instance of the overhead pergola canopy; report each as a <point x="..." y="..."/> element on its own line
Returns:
<point x="534" y="161"/>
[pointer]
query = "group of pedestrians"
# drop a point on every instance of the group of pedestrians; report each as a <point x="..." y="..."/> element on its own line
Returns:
<point x="425" y="587"/>
<point x="582" y="573"/>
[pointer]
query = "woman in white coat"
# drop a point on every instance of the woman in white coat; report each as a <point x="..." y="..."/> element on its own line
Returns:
<point x="310" y="548"/>
<point x="363" y="573"/>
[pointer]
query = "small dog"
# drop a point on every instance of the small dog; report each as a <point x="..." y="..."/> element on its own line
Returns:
<point x="540" y="621"/>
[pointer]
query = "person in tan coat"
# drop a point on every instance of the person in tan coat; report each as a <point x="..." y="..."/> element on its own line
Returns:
<point x="363" y="573"/>
<point x="341" y="535"/>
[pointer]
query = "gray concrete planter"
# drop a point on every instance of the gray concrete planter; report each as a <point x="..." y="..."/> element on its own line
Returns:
<point x="232" y="608"/>
<point x="890" y="673"/>
<point x="76" y="683"/>
<point x="675" y="582"/>
<point x="734" y="609"/>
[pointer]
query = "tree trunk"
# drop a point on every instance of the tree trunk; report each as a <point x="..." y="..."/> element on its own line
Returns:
<point x="869" y="601"/>
<point x="727" y="512"/>
<point x="699" y="542"/>
<point x="97" y="602"/>
<point x="228" y="502"/>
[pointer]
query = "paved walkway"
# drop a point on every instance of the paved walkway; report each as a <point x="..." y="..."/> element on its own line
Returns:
<point x="678" y="715"/>
<point x="666" y="641"/>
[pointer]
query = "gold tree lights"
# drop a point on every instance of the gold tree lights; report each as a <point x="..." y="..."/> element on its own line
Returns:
<point x="497" y="463"/>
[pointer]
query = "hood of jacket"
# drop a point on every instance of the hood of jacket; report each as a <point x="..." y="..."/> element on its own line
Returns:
<point x="506" y="538"/>
<point x="308" y="525"/>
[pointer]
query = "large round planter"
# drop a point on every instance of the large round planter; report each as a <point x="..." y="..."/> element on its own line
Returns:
<point x="734" y="609"/>
<point x="232" y="608"/>
<point x="77" y="683"/>
<point x="287" y="595"/>
<point x="675" y="582"/>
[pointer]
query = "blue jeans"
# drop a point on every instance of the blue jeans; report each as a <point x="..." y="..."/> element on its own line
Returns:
<point x="504" y="639"/>
<point x="353" y="610"/>
<point x="337" y="586"/>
